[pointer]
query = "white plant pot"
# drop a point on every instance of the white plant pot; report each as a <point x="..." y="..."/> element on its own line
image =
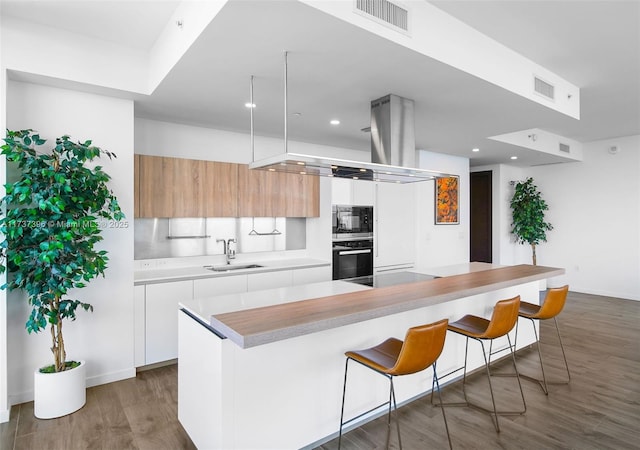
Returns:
<point x="61" y="393"/>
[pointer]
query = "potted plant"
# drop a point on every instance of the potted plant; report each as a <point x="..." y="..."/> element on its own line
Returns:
<point x="528" y="207"/>
<point x="55" y="213"/>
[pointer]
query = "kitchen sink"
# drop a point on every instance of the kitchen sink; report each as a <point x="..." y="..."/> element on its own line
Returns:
<point x="230" y="267"/>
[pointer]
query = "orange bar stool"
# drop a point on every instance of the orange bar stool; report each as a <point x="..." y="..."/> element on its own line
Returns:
<point x="503" y="319"/>
<point x="551" y="306"/>
<point x="421" y="348"/>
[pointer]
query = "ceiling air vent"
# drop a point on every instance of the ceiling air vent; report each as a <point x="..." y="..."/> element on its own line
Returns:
<point x="565" y="148"/>
<point x="385" y="11"/>
<point x="544" y="88"/>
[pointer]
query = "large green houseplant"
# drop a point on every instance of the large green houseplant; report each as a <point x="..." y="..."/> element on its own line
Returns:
<point x="528" y="207"/>
<point x="54" y="217"/>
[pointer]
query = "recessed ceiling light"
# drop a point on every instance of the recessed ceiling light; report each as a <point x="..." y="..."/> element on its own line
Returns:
<point x="334" y="122"/>
<point x="300" y="163"/>
<point x="250" y="105"/>
<point x="355" y="178"/>
<point x="334" y="167"/>
<point x="475" y="149"/>
<point x="514" y="157"/>
<point x="363" y="170"/>
<point x="303" y="173"/>
<point x="272" y="169"/>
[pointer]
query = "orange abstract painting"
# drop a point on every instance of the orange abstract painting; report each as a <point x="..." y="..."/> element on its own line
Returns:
<point x="447" y="200"/>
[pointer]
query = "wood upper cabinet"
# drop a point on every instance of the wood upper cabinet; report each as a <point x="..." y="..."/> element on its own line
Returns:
<point x="155" y="186"/>
<point x="303" y="195"/>
<point x="221" y="189"/>
<point x="177" y="187"/>
<point x="276" y="194"/>
<point x="136" y="185"/>
<point x="188" y="188"/>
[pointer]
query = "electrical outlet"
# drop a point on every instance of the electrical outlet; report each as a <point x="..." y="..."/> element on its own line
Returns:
<point x="161" y="263"/>
<point x="148" y="264"/>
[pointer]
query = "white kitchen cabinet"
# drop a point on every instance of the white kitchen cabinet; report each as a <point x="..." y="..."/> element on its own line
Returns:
<point x="352" y="192"/>
<point x="362" y="193"/>
<point x="212" y="287"/>
<point x="394" y="228"/>
<point x="161" y="319"/>
<point x="156" y="305"/>
<point x="311" y="275"/>
<point x="138" y="325"/>
<point x="392" y="269"/>
<point x="340" y="191"/>
<point x="269" y="280"/>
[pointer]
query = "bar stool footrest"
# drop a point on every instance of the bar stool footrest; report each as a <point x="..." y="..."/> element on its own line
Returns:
<point x="541" y="382"/>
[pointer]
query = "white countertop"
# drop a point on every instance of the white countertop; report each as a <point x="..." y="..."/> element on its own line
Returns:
<point x="204" y="308"/>
<point x="261" y="317"/>
<point x="150" y="276"/>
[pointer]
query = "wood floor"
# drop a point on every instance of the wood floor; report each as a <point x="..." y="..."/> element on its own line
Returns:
<point x="599" y="409"/>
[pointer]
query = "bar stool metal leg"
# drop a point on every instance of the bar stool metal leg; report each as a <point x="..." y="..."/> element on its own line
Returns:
<point x="344" y="391"/>
<point x="390" y="402"/>
<point x="436" y="382"/>
<point x="392" y="397"/>
<point x="552" y="305"/>
<point x="479" y="329"/>
<point x="420" y="349"/>
<point x="544" y="383"/>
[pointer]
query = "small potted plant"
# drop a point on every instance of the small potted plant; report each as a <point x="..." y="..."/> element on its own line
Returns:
<point x="528" y="207"/>
<point x="52" y="224"/>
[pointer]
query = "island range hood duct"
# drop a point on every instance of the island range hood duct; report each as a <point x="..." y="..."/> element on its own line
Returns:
<point x="392" y="148"/>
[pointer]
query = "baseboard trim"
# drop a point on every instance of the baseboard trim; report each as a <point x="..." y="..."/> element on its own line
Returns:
<point x="111" y="377"/>
<point x="27" y="396"/>
<point x="5" y="415"/>
<point x="622" y="295"/>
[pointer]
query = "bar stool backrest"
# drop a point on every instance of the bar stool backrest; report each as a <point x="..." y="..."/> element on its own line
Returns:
<point x="422" y="346"/>
<point x="503" y="319"/>
<point x="553" y="303"/>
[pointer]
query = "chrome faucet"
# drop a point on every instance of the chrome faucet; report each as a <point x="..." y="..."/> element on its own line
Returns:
<point x="231" y="253"/>
<point x="228" y="252"/>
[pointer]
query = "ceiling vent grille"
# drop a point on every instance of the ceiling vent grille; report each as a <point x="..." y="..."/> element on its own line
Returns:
<point x="387" y="12"/>
<point x="544" y="88"/>
<point x="565" y="148"/>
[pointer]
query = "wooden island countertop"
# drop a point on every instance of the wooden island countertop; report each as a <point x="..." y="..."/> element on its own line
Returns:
<point x="263" y="325"/>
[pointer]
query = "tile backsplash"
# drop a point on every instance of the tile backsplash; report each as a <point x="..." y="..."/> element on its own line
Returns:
<point x="173" y="238"/>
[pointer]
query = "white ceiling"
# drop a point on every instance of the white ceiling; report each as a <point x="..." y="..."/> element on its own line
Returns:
<point x="133" y="23"/>
<point x="335" y="70"/>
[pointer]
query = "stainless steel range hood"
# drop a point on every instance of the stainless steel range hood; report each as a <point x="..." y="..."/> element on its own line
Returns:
<point x="393" y="146"/>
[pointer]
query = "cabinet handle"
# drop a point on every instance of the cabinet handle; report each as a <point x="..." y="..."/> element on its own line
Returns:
<point x="354" y="252"/>
<point x="377" y="208"/>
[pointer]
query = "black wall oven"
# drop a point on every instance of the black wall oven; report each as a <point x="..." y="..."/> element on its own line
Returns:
<point x="352" y="259"/>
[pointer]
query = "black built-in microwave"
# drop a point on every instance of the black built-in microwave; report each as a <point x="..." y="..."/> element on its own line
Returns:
<point x="350" y="221"/>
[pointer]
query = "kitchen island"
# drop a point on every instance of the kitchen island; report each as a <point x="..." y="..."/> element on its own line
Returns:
<point x="264" y="369"/>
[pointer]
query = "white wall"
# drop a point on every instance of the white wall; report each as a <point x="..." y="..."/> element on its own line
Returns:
<point x="441" y="245"/>
<point x="103" y="338"/>
<point x="154" y="137"/>
<point x="4" y="399"/>
<point x="594" y="207"/>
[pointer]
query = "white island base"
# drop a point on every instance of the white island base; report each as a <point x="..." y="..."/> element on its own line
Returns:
<point x="287" y="394"/>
